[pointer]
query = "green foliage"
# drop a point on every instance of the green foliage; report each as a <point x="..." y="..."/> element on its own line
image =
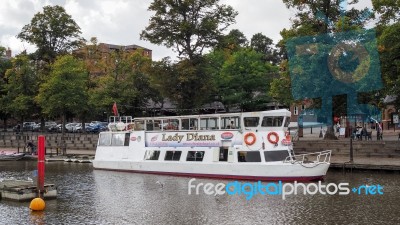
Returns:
<point x="53" y="32"/>
<point x="125" y="80"/>
<point x="233" y="41"/>
<point x="188" y="26"/>
<point x="264" y="45"/>
<point x="186" y="84"/>
<point x="65" y="90"/>
<point x="244" y="80"/>
<point x="280" y="90"/>
<point x="20" y="88"/>
<point x="388" y="10"/>
<point x="389" y="46"/>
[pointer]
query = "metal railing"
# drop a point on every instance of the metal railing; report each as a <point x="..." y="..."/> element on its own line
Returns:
<point x="320" y="157"/>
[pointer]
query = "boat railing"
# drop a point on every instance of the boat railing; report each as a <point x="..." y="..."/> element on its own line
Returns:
<point x="315" y="157"/>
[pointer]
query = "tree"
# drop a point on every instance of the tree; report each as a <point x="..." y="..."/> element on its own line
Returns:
<point x="65" y="90"/>
<point x="323" y="20"/>
<point x="264" y="45"/>
<point x="188" y="26"/>
<point x="280" y="90"/>
<point x="389" y="45"/>
<point x="20" y="88"/>
<point x="5" y="64"/>
<point x="53" y="32"/>
<point x="320" y="16"/>
<point x="186" y="83"/>
<point x="388" y="10"/>
<point x="125" y="80"/>
<point x="244" y="80"/>
<point x="233" y="41"/>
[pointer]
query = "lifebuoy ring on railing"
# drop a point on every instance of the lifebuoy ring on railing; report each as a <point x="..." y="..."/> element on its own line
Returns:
<point x="276" y="139"/>
<point x="252" y="138"/>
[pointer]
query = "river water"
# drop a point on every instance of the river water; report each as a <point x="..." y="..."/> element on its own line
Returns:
<point x="87" y="196"/>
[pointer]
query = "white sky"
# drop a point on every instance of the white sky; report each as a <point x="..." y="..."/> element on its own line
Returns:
<point x="121" y="21"/>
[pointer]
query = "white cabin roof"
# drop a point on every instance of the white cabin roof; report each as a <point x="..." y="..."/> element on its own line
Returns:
<point x="278" y="112"/>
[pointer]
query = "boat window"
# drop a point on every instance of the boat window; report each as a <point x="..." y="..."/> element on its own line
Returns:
<point x="272" y="121"/>
<point x="105" y="139"/>
<point x="152" y="155"/>
<point x="118" y="139"/>
<point x="287" y="121"/>
<point x="230" y="122"/>
<point x="189" y="124"/>
<point x="127" y="138"/>
<point x="170" y="124"/>
<point x="195" y="156"/>
<point x="139" y="124"/>
<point x="251" y="121"/>
<point x="208" y="123"/>
<point x="271" y="156"/>
<point x="223" y="154"/>
<point x="153" y="124"/>
<point x="173" y="155"/>
<point x="253" y="156"/>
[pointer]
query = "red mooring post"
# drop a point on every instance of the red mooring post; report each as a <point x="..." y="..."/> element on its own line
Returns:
<point x="40" y="165"/>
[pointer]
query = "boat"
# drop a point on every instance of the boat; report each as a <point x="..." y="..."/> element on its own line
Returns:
<point x="11" y="156"/>
<point x="243" y="146"/>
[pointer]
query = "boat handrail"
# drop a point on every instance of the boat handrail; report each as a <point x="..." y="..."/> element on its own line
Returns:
<point x="321" y="157"/>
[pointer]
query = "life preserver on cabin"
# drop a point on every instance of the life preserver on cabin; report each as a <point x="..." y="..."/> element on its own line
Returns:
<point x="250" y="138"/>
<point x="275" y="140"/>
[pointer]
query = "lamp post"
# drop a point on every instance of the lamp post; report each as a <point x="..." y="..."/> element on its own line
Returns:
<point x="351" y="144"/>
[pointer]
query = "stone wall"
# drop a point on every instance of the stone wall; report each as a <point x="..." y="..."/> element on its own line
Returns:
<point x="342" y="147"/>
<point x="53" y="140"/>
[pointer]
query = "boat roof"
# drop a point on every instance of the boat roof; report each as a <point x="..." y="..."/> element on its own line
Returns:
<point x="277" y="112"/>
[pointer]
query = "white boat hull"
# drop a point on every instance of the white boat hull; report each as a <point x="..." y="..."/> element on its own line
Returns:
<point x="248" y="171"/>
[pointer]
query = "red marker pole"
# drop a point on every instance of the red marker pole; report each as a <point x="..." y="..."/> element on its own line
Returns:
<point x="40" y="166"/>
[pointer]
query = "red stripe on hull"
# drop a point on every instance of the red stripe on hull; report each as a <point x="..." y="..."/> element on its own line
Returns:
<point x="222" y="176"/>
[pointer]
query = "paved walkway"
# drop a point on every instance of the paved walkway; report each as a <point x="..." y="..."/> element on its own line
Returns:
<point x="314" y="133"/>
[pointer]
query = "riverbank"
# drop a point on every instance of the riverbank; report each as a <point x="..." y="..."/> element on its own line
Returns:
<point x="368" y="154"/>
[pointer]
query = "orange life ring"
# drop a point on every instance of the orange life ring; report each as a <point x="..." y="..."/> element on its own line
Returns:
<point x="276" y="138"/>
<point x="253" y="138"/>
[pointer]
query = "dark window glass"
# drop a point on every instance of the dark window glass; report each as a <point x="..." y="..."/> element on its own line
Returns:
<point x="127" y="137"/>
<point x="173" y="155"/>
<point x="271" y="156"/>
<point x="195" y="156"/>
<point x="272" y="121"/>
<point x="253" y="156"/>
<point x="223" y="154"/>
<point x="251" y="121"/>
<point x="152" y="155"/>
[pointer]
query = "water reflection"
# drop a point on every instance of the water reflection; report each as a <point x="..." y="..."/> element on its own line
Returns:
<point x="37" y="217"/>
<point x="104" y="197"/>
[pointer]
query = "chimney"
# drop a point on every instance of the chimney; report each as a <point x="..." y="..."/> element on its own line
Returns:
<point x="8" y="53"/>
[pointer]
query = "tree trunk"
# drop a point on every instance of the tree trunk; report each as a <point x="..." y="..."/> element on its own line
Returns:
<point x="330" y="134"/>
<point x="5" y="124"/>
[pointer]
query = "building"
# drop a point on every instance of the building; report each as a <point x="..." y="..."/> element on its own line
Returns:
<point x="7" y="55"/>
<point x="107" y="48"/>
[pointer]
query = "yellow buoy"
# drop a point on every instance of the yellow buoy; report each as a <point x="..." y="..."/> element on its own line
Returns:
<point x="37" y="204"/>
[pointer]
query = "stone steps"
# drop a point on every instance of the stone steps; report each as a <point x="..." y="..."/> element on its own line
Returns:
<point x="385" y="149"/>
